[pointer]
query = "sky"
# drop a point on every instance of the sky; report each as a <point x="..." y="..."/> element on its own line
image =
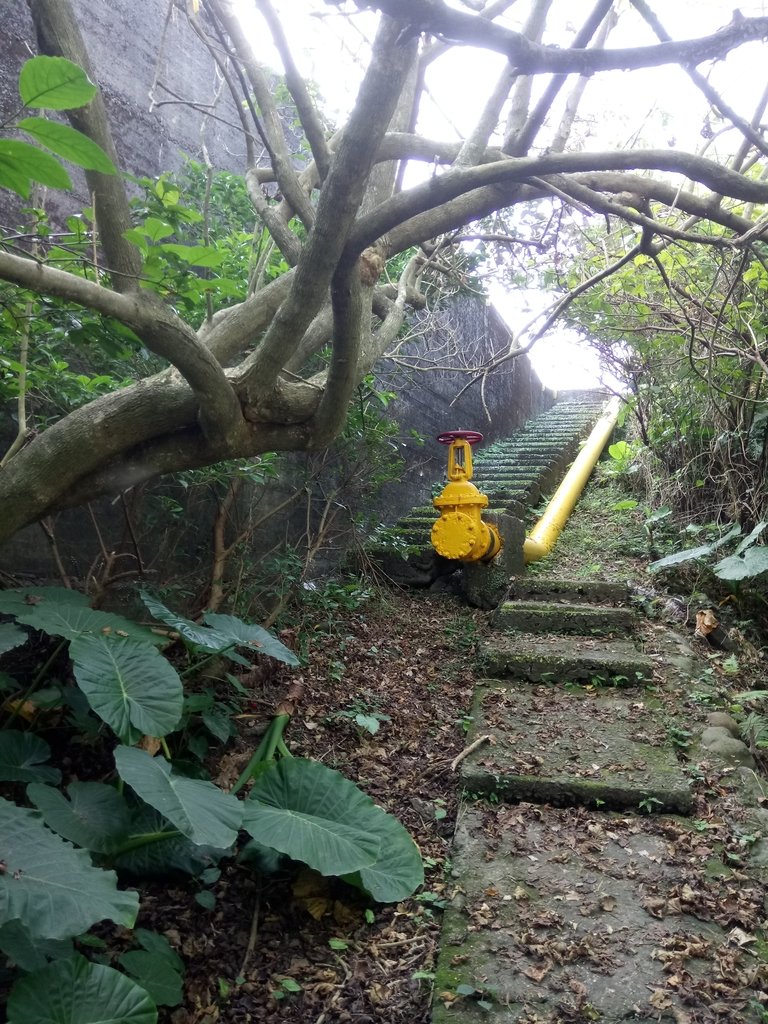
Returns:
<point x="657" y="107"/>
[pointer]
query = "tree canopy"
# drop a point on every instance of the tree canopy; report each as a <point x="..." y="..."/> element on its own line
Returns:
<point x="355" y="239"/>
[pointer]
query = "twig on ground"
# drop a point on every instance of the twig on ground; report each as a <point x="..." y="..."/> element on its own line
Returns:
<point x="487" y="738"/>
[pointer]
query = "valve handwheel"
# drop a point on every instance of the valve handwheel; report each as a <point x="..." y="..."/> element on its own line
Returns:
<point x="472" y="436"/>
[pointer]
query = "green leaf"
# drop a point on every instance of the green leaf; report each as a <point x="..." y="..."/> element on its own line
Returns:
<point x="28" y="953"/>
<point x="96" y="816"/>
<point x="689" y="555"/>
<point x="21" y="164"/>
<point x="368" y="722"/>
<point x="753" y="562"/>
<point x="159" y="946"/>
<point x="399" y="870"/>
<point x="155" y="229"/>
<point x="69" y="143"/>
<point x="54" y="83"/>
<point x="72" y="620"/>
<point x="21" y="599"/>
<point x="255" y="638"/>
<point x="76" y="991"/>
<point x="52" y="888"/>
<point x="312" y="814"/>
<point x="196" y="255"/>
<point x="130" y="685"/>
<point x="219" y="724"/>
<point x="21" y="757"/>
<point x="199" y="810"/>
<point x="167" y="854"/>
<point x="200" y="636"/>
<point x="11" y="636"/>
<point x="156" y="975"/>
<point x="748" y="541"/>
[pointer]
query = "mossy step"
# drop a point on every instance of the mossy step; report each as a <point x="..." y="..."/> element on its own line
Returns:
<point x="416" y="537"/>
<point x="554" y="617"/>
<point x="565" y="747"/>
<point x="504" y="492"/>
<point x="560" y="660"/>
<point x="416" y="523"/>
<point x="507" y="476"/>
<point x="513" y="450"/>
<point x="517" y="463"/>
<point x="569" y="591"/>
<point x="516" y="471"/>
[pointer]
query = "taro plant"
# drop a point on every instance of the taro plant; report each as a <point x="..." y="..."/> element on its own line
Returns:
<point x="747" y="561"/>
<point x="62" y="856"/>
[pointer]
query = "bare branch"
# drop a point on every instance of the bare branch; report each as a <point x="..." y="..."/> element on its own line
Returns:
<point x="308" y="116"/>
<point x="437" y="18"/>
<point x="156" y="324"/>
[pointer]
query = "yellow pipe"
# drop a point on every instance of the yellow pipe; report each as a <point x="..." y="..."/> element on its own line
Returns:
<point x="543" y="537"/>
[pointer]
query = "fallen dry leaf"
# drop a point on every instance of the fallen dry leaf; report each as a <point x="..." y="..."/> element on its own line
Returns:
<point x="706" y="622"/>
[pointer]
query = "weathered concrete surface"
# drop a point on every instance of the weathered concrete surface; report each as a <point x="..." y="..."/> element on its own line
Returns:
<point x="596" y="591"/>
<point x="560" y="659"/>
<point x="564" y="747"/>
<point x="553" y="617"/>
<point x="564" y="916"/>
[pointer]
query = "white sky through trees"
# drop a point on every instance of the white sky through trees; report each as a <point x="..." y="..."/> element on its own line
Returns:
<point x="656" y="107"/>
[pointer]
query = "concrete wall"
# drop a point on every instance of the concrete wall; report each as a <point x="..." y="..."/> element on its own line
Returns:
<point x="468" y="332"/>
<point x="132" y="43"/>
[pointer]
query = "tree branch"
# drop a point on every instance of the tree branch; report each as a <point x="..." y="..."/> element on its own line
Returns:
<point x="437" y="18"/>
<point x="59" y="35"/>
<point x="156" y="324"/>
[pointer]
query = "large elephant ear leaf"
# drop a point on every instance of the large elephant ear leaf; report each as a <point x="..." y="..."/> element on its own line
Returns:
<point x="52" y="888"/>
<point x="255" y="638"/>
<point x="199" y="810"/>
<point x="75" y="991"/>
<point x="192" y="633"/>
<point x="72" y="621"/>
<point x="130" y="685"/>
<point x="21" y="599"/>
<point x="11" y="636"/>
<point x="170" y="853"/>
<point x="27" y="953"/>
<point x="399" y="870"/>
<point x="312" y="814"/>
<point x="21" y="758"/>
<point x="96" y="816"/>
<point x="289" y="799"/>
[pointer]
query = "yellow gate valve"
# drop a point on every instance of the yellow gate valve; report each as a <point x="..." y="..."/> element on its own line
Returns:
<point x="460" y="534"/>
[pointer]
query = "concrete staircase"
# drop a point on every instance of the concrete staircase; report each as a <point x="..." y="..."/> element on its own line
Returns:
<point x="515" y="473"/>
<point x="558" y="859"/>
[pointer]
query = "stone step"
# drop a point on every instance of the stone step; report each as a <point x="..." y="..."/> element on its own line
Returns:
<point x="419" y="520"/>
<point x="415" y="537"/>
<point x="502" y="495"/>
<point x="561" y="660"/>
<point x="551" y="919"/>
<point x="560" y="617"/>
<point x="528" y="464"/>
<point x="568" y="747"/>
<point x="535" y="444"/>
<point x="527" y="588"/>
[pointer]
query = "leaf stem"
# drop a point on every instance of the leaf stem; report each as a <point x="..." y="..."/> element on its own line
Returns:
<point x="271" y="741"/>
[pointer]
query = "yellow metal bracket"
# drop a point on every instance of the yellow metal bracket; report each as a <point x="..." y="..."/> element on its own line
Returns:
<point x="460" y="533"/>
